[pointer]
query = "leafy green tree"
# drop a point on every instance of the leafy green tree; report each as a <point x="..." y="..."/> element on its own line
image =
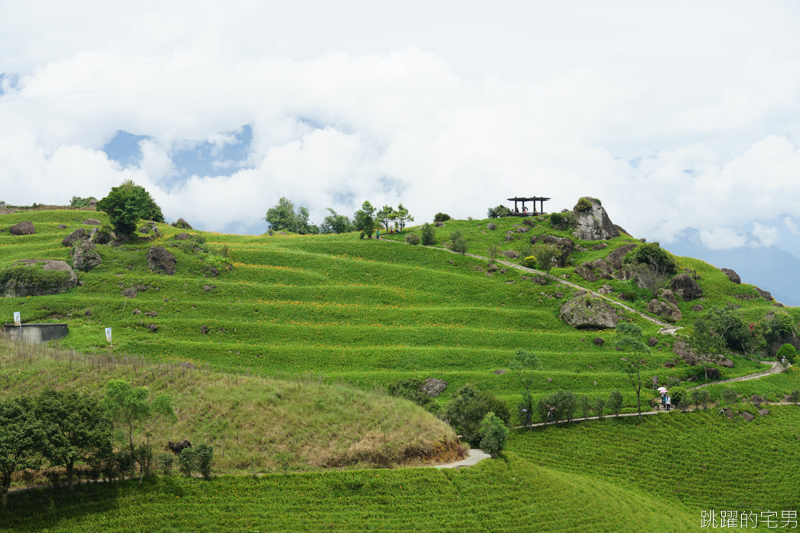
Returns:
<point x="710" y="337"/>
<point x="402" y="216"/>
<point x="458" y="242"/>
<point x="21" y="438"/>
<point x="204" y="458"/>
<point x="131" y="406"/>
<point x="524" y="364"/>
<point x="599" y="407"/>
<point x="499" y="211"/>
<point x="545" y="254"/>
<point x="428" y="234"/>
<point x="794" y="397"/>
<point x="585" y="405"/>
<point x="615" y="402"/>
<point x="364" y="218"/>
<point x="187" y="461"/>
<point x="385" y="216"/>
<point x="336" y="223"/>
<point x="441" y="217"/>
<point x="788" y="351"/>
<point x="630" y="340"/>
<point x="77" y="201"/>
<point x="651" y="253"/>
<point x="128" y="203"/>
<point x="284" y="216"/>
<point x="468" y="408"/>
<point x="493" y="433"/>
<point x="563" y="402"/>
<point x="75" y="426"/>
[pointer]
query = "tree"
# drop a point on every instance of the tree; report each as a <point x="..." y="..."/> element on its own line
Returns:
<point x="649" y="276"/>
<point x="615" y="402"/>
<point x="428" y="234"/>
<point x="524" y="364"/>
<point x="21" y="438"/>
<point x="493" y="434"/>
<point x="128" y="203"/>
<point x="499" y="211"/>
<point x="284" y="217"/>
<point x="629" y="339"/>
<point x="585" y="404"/>
<point x="336" y="223"/>
<point x="710" y="337"/>
<point x="458" y="242"/>
<point x="599" y="407"/>
<point x="651" y="253"/>
<point x="402" y="216"/>
<point x="794" y="397"/>
<point x="441" y="217"/>
<point x="364" y="218"/>
<point x="563" y="402"/>
<point x="545" y="254"/>
<point x="468" y="408"/>
<point x="75" y="426"/>
<point x="385" y="216"/>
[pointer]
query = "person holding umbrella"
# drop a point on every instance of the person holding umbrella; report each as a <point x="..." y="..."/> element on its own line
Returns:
<point x="663" y="391"/>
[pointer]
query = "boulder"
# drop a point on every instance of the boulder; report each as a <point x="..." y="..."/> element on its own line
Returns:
<point x="588" y="312"/>
<point x="152" y="327"/>
<point x="204" y="330"/>
<point x="764" y="294"/>
<point x="62" y="226"/>
<point x="682" y="350"/>
<point x="529" y="222"/>
<point x="733" y="276"/>
<point x="606" y="289"/>
<point x="182" y="237"/>
<point x="616" y="257"/>
<point x="84" y="257"/>
<point x="510" y="253"/>
<point x="603" y="266"/>
<point x="763" y="412"/>
<point x="756" y="399"/>
<point x="747" y="416"/>
<point x="586" y="274"/>
<point x="439" y="223"/>
<point x="490" y="226"/>
<point x="144" y="230"/>
<point x="23" y="228"/>
<point x="534" y="239"/>
<point x="151" y="314"/>
<point x="593" y="224"/>
<point x="25" y="278"/>
<point x="540" y="280"/>
<point x="92" y="222"/>
<point x="433" y="387"/>
<point x="137" y="311"/>
<point x="697" y="308"/>
<point x="669" y="364"/>
<point x="500" y="372"/>
<point x="599" y="341"/>
<point x="131" y="293"/>
<point x="712" y="373"/>
<point x="729" y="413"/>
<point x="161" y="261"/>
<point x="565" y="246"/>
<point x="652" y="341"/>
<point x="666" y="294"/>
<point x="686" y="287"/>
<point x="76" y="235"/>
<point x="664" y="309"/>
<point x="601" y="246"/>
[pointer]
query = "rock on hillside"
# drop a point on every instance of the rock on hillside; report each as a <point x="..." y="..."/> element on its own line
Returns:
<point x="23" y="228"/>
<point x="76" y="235"/>
<point x="28" y="278"/>
<point x="686" y="287"/>
<point x="593" y="224"/>
<point x="732" y="275"/>
<point x="586" y="311"/>
<point x="161" y="261"/>
<point x="616" y="257"/>
<point x="84" y="257"/>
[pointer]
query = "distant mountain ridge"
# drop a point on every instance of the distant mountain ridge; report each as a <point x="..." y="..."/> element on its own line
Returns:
<point x="771" y="268"/>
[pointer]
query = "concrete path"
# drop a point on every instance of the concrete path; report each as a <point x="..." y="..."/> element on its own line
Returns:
<point x="776" y="368"/>
<point x="474" y="456"/>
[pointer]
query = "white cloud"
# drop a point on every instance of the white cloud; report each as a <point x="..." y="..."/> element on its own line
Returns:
<point x="789" y="223"/>
<point x="458" y="109"/>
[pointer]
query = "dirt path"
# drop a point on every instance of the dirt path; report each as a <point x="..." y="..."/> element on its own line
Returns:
<point x="776" y="368"/>
<point x="666" y="329"/>
<point x="474" y="456"/>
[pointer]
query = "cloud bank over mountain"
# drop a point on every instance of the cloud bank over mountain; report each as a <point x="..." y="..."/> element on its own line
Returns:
<point x="676" y="116"/>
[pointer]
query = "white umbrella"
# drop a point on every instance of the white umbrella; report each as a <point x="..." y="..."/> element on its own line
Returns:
<point x="662" y="389"/>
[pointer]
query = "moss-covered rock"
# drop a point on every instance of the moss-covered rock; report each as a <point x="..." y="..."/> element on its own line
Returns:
<point x="37" y="277"/>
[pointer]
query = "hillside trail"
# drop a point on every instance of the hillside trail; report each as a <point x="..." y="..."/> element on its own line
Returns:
<point x="774" y="369"/>
<point x="666" y="329"/>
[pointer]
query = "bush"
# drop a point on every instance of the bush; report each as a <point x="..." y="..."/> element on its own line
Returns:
<point x="545" y="254"/>
<point x="165" y="461"/>
<point x="493" y="251"/>
<point x="673" y="381"/>
<point x="615" y="402"/>
<point x="181" y="224"/>
<point x="599" y="406"/>
<point x="467" y="410"/>
<point x="529" y="262"/>
<point x="441" y="217"/>
<point x="499" y="211"/>
<point x="493" y="433"/>
<point x="362" y="234"/>
<point x="584" y="204"/>
<point x="794" y="396"/>
<point x="585" y="404"/>
<point x="458" y="242"/>
<point x="729" y="396"/>
<point x="679" y="397"/>
<point x="204" y="458"/>
<point x="413" y="239"/>
<point x="428" y="234"/>
<point x="410" y="390"/>
<point x="77" y="201"/>
<point x="788" y="351"/>
<point x="564" y="402"/>
<point x="700" y="396"/>
<point x="187" y="462"/>
<point x="651" y="253"/>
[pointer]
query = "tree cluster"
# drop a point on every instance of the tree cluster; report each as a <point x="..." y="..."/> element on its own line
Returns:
<point x="128" y="203"/>
<point x="285" y="216"/>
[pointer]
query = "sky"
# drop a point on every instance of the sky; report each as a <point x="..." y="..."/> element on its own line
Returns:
<point x="675" y="114"/>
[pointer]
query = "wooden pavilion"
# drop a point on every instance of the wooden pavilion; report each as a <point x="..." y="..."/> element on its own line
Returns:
<point x="517" y="212"/>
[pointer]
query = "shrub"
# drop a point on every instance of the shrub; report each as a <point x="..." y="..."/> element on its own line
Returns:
<point x="428" y="234"/>
<point x="187" y="462"/>
<point x="545" y="254"/>
<point x="564" y="402"/>
<point x="599" y="406"/>
<point x="410" y="390"/>
<point x="458" y="242"/>
<point x="165" y="461"/>
<point x="700" y="396"/>
<point x="529" y="262"/>
<point x="651" y="253"/>
<point x="204" y="458"/>
<point x="794" y="396"/>
<point x="362" y="234"/>
<point x="441" y="217"/>
<point x="413" y="238"/>
<point x="673" y="381"/>
<point x="493" y="251"/>
<point x="493" y="433"/>
<point x="615" y="402"/>
<point x="788" y="351"/>
<point x="467" y="410"/>
<point x="679" y="397"/>
<point x="729" y="396"/>
<point x="77" y="201"/>
<point x="585" y="404"/>
<point x="584" y="204"/>
<point x="499" y="211"/>
<point x="181" y="224"/>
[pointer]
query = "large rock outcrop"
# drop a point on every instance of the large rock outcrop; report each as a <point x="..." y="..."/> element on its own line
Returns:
<point x="686" y="287"/>
<point x="84" y="257"/>
<point x="588" y="312"/>
<point x="592" y="222"/>
<point x="733" y="276"/>
<point x="616" y="257"/>
<point x="764" y="294"/>
<point x="29" y="278"/>
<point x="75" y="236"/>
<point x="23" y="228"/>
<point x="161" y="261"/>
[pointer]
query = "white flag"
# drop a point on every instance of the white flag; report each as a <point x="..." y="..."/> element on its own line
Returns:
<point x="108" y="335"/>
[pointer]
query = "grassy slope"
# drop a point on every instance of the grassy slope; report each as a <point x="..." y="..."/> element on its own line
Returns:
<point x="368" y="312"/>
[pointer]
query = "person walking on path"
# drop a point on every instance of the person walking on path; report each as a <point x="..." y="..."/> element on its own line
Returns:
<point x="663" y="400"/>
<point x="378" y="235"/>
<point x="669" y="402"/>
